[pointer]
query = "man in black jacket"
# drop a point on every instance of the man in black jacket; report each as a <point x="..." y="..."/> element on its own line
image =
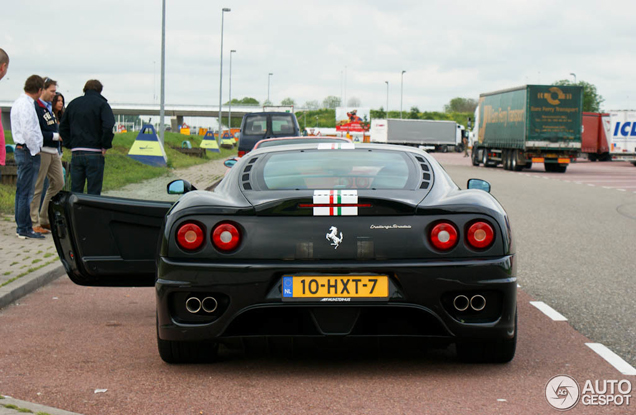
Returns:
<point x="87" y="129"/>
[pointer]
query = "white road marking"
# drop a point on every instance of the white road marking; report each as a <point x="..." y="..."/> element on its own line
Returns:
<point x="621" y="190"/>
<point x="591" y="185"/>
<point x="613" y="359"/>
<point x="607" y="187"/>
<point x="548" y="311"/>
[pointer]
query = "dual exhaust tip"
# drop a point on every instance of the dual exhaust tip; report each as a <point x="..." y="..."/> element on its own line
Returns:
<point x="208" y="305"/>
<point x="476" y="302"/>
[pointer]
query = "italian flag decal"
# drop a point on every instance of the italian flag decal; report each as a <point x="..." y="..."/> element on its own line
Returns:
<point x="336" y="146"/>
<point x="335" y="202"/>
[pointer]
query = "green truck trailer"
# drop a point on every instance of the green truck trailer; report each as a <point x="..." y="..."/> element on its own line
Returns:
<point x="529" y="124"/>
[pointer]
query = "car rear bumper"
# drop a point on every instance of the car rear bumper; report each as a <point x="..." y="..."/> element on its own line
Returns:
<point x="248" y="302"/>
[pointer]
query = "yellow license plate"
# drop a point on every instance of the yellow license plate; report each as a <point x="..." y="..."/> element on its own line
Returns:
<point x="335" y="286"/>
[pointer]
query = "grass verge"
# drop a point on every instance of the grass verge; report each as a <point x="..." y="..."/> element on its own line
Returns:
<point x="121" y="170"/>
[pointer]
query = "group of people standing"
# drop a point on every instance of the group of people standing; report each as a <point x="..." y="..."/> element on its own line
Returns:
<point x="41" y="127"/>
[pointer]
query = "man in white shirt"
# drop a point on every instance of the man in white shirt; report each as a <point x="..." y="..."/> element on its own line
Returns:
<point x="50" y="159"/>
<point x="28" y="139"/>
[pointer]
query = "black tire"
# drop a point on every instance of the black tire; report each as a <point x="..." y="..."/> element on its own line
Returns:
<point x="488" y="351"/>
<point x="187" y="352"/>
<point x="528" y="165"/>
<point x="484" y="156"/>
<point x="474" y="155"/>
<point x="560" y="168"/>
<point x="459" y="148"/>
<point x="514" y="163"/>
<point x="549" y="167"/>
<point x="506" y="159"/>
<point x="444" y="149"/>
<point x="592" y="157"/>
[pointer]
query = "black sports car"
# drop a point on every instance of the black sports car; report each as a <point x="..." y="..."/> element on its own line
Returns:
<point x="313" y="240"/>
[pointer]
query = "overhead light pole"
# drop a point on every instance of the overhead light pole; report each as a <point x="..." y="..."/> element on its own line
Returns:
<point x="401" y="92"/>
<point x="162" y="99"/>
<point x="387" y="99"/>
<point x="269" y="76"/>
<point x="574" y="75"/>
<point x="229" y="118"/>
<point x="225" y="9"/>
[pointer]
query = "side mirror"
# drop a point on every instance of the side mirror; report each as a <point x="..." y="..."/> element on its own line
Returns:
<point x="229" y="163"/>
<point x="478" y="184"/>
<point x="179" y="187"/>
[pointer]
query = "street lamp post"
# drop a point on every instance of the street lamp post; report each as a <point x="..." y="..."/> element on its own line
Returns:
<point x="269" y="76"/>
<point x="401" y="92"/>
<point x="229" y="118"/>
<point x="387" y="99"/>
<point x="225" y="9"/>
<point x="574" y="75"/>
<point x="162" y="99"/>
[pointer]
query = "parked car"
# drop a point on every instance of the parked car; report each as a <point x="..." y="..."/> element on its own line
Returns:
<point x="350" y="241"/>
<point x="257" y="126"/>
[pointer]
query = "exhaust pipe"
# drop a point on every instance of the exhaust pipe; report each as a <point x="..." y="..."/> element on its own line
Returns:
<point x="209" y="304"/>
<point x="461" y="303"/>
<point x="193" y="305"/>
<point x="478" y="302"/>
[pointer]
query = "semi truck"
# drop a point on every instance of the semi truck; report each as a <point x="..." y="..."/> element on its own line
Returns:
<point x="596" y="130"/>
<point x="430" y="135"/>
<point x="622" y="142"/>
<point x="529" y="124"/>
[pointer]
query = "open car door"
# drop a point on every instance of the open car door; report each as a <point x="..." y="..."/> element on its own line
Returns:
<point x="107" y="241"/>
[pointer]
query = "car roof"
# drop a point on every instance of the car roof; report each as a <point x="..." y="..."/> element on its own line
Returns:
<point x="303" y="138"/>
<point x="354" y="146"/>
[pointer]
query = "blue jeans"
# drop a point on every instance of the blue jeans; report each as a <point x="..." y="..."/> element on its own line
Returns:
<point x="28" y="168"/>
<point x="87" y="168"/>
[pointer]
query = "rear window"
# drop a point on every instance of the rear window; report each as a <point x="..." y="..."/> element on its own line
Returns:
<point x="282" y="124"/>
<point x="256" y="125"/>
<point x="339" y="169"/>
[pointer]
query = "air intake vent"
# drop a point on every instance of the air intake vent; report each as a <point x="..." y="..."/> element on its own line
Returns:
<point x="245" y="177"/>
<point x="427" y="176"/>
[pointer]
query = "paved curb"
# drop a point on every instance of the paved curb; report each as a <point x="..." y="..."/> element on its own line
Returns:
<point x="34" y="407"/>
<point x="29" y="283"/>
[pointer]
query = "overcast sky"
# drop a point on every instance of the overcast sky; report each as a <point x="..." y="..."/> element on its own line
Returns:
<point x="448" y="48"/>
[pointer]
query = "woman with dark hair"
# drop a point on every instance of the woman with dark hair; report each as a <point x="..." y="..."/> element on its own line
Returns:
<point x="58" y="106"/>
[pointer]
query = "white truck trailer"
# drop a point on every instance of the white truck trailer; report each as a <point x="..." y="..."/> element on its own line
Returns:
<point x="430" y="135"/>
<point x="622" y="135"/>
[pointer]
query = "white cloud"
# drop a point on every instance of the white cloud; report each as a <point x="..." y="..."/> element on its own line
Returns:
<point x="448" y="48"/>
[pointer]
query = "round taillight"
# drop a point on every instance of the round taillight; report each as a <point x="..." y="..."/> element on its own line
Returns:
<point x="190" y="236"/>
<point x="444" y="236"/>
<point x="225" y="237"/>
<point x="480" y="235"/>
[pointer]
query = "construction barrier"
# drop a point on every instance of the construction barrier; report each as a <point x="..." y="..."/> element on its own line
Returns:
<point x="209" y="142"/>
<point x="147" y="148"/>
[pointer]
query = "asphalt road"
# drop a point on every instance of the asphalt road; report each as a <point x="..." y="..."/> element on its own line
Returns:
<point x="64" y="345"/>
<point x="576" y="243"/>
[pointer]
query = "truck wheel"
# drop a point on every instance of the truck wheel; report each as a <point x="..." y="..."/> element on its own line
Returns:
<point x="444" y="149"/>
<point x="560" y="168"/>
<point x="484" y="156"/>
<point x="493" y="351"/>
<point x="591" y="157"/>
<point x="514" y="164"/>
<point x="475" y="154"/>
<point x="505" y="160"/>
<point x="459" y="148"/>
<point x="549" y="167"/>
<point x="528" y="165"/>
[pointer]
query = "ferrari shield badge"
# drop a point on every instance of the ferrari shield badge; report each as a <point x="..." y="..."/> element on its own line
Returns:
<point x="334" y="238"/>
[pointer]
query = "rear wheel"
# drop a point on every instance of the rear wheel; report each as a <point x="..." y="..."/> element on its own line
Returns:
<point x="592" y="157"/>
<point x="506" y="160"/>
<point x="488" y="351"/>
<point x="444" y="149"/>
<point x="187" y="352"/>
<point x="514" y="164"/>
<point x="475" y="155"/>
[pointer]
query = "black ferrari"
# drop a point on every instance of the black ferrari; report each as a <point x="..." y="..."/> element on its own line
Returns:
<point x="327" y="240"/>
